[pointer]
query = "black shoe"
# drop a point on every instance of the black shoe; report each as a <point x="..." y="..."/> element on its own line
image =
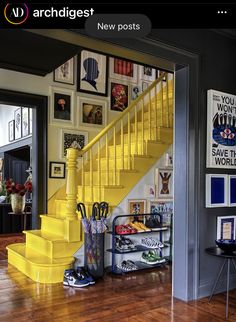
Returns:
<point x="82" y="272"/>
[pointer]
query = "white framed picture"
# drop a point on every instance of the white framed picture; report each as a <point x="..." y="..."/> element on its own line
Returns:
<point x="71" y="136"/>
<point x="92" y="112"/>
<point x="147" y="73"/>
<point x="149" y="190"/>
<point x="226" y="227"/>
<point x="164" y="183"/>
<point x="25" y="121"/>
<point x="62" y="106"/>
<point x="65" y="73"/>
<point x="122" y="69"/>
<point x="18" y="123"/>
<point x="216" y="190"/>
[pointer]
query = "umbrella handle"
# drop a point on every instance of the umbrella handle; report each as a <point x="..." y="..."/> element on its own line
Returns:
<point x="81" y="208"/>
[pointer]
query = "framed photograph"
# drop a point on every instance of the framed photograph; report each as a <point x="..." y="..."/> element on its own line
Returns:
<point x="92" y="112"/>
<point x="65" y="73"/>
<point x="11" y="131"/>
<point x="30" y="120"/>
<point x="149" y="191"/>
<point x="57" y="170"/>
<point x="135" y="92"/>
<point x="92" y="73"/>
<point x="123" y="70"/>
<point x="226" y="227"/>
<point x="62" y="107"/>
<point x="144" y="86"/>
<point x="160" y="73"/>
<point x="119" y="97"/>
<point x="70" y="136"/>
<point x="168" y="160"/>
<point x="164" y="182"/>
<point x="155" y="207"/>
<point x="25" y="121"/>
<point x="136" y="207"/>
<point x="147" y="73"/>
<point x="216" y="190"/>
<point x="18" y="120"/>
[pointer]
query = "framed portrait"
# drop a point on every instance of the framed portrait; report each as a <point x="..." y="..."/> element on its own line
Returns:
<point x="226" y="227"/>
<point x="71" y="136"/>
<point x="149" y="190"/>
<point x="135" y="92"/>
<point x="123" y="69"/>
<point x="25" y="121"/>
<point x="160" y="73"/>
<point x="18" y="120"/>
<point x="147" y="73"/>
<point x="92" y="112"/>
<point x="216" y="190"/>
<point x="57" y="170"/>
<point x="11" y="130"/>
<point x="65" y="73"/>
<point x="164" y="183"/>
<point x="136" y="207"/>
<point x="92" y="73"/>
<point x="30" y="120"/>
<point x="119" y="97"/>
<point x="62" y="107"/>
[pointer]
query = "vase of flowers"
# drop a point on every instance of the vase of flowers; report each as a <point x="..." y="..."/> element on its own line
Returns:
<point x="17" y="192"/>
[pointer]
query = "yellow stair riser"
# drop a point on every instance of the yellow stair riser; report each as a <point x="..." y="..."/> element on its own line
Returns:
<point x="52" y="225"/>
<point x="51" y="249"/>
<point x="60" y="208"/>
<point x="121" y="178"/>
<point x="51" y="273"/>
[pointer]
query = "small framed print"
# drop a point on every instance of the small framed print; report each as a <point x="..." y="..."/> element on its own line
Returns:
<point x="147" y="73"/>
<point x="216" y="190"/>
<point x="11" y="130"/>
<point x="62" y="107"/>
<point x="92" y="73"/>
<point x="164" y="183"/>
<point x="18" y="121"/>
<point x="65" y="73"/>
<point x="135" y="92"/>
<point x="144" y="86"/>
<point x="160" y="73"/>
<point x="57" y="170"/>
<point x="119" y="97"/>
<point x="92" y="112"/>
<point x="25" y="121"/>
<point x="232" y="190"/>
<point x="226" y="227"/>
<point x="123" y="69"/>
<point x="137" y="207"/>
<point x="149" y="190"/>
<point x="71" y="136"/>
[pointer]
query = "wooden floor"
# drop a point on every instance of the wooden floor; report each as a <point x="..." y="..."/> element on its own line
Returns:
<point x="137" y="297"/>
<point x="9" y="239"/>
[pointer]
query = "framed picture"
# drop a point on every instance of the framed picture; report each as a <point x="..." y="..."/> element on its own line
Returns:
<point x="168" y="160"/>
<point x="62" y="107"/>
<point x="92" y="73"/>
<point x="232" y="190"/>
<point x="136" y="207"/>
<point x="164" y="182"/>
<point x="11" y="130"/>
<point x="216" y="190"/>
<point x="119" y="97"/>
<point x="71" y="136"/>
<point x="160" y="73"/>
<point x="92" y="112"/>
<point x="147" y="73"/>
<point x="1" y="164"/>
<point x="123" y="70"/>
<point x="135" y="92"/>
<point x="18" y="120"/>
<point x="65" y="73"/>
<point x="155" y="207"/>
<point x="25" y="121"/>
<point x="226" y="227"/>
<point x="57" y="170"/>
<point x="149" y="190"/>
<point x="30" y="120"/>
<point x="144" y="86"/>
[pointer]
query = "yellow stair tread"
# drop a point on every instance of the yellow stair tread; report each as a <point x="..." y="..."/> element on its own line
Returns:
<point x="36" y="258"/>
<point x="46" y="235"/>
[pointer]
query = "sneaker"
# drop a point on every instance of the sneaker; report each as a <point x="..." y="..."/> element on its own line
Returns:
<point x="136" y="226"/>
<point x="71" y="279"/>
<point x="150" y="242"/>
<point x="128" y="242"/>
<point x="142" y="226"/>
<point x="121" y="245"/>
<point x="151" y="258"/>
<point x="83" y="273"/>
<point x="127" y="266"/>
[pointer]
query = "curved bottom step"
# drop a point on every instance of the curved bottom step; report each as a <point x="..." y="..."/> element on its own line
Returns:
<point x="39" y="268"/>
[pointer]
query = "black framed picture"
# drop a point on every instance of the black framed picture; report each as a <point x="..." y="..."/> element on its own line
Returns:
<point x="11" y="130"/>
<point x="18" y="121"/>
<point x="25" y="121"/>
<point x="57" y="170"/>
<point x="119" y="97"/>
<point x="65" y="73"/>
<point x="92" y="73"/>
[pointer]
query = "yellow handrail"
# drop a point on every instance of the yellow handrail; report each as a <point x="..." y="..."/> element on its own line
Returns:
<point x="126" y="111"/>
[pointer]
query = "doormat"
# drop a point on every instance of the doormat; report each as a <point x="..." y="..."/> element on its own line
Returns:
<point x="7" y="240"/>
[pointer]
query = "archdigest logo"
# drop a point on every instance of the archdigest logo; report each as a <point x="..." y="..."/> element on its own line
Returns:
<point x="16" y="14"/>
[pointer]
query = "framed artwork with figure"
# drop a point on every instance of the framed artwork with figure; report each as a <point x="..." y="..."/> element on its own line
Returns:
<point x="123" y="69"/>
<point x="18" y="121"/>
<point x="62" y="106"/>
<point x="92" y="73"/>
<point x="119" y="96"/>
<point x="164" y="183"/>
<point x="71" y="136"/>
<point x="65" y="73"/>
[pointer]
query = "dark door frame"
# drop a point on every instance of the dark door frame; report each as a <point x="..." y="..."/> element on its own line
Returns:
<point x="39" y="146"/>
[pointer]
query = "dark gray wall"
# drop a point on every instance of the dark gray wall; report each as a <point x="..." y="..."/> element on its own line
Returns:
<point x="217" y="67"/>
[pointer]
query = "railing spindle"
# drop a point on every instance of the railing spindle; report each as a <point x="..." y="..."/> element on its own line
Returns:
<point x="167" y="101"/>
<point x="91" y="172"/>
<point x="99" y="172"/>
<point x="114" y="145"/>
<point x="129" y="142"/>
<point x="161" y="111"/>
<point x="142" y="122"/>
<point x="156" y="114"/>
<point x="122" y="144"/>
<point x="149" y="116"/>
<point x="136" y="129"/>
<point x="107" y="160"/>
<point x="83" y="180"/>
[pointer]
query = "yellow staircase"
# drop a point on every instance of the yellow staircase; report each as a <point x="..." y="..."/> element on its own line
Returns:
<point x="109" y="167"/>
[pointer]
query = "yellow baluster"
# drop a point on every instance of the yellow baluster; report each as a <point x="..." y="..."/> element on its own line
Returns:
<point x="122" y="144"/>
<point x="114" y="145"/>
<point x="129" y="141"/>
<point x="107" y="160"/>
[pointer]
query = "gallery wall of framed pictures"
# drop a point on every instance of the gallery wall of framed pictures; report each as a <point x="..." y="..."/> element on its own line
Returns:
<point x="21" y="126"/>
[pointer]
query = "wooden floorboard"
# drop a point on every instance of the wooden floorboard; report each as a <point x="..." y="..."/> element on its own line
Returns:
<point x="135" y="297"/>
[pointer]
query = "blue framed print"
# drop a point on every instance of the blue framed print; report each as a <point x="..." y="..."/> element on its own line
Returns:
<point x="226" y="227"/>
<point x="216" y="190"/>
<point x="232" y="190"/>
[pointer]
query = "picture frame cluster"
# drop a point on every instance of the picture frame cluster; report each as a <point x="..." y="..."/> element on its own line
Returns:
<point x="21" y="125"/>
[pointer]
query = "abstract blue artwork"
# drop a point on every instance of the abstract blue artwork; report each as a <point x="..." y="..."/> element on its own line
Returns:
<point x="232" y="190"/>
<point x="217" y="190"/>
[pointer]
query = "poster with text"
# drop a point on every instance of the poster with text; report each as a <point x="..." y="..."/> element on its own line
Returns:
<point x="221" y="130"/>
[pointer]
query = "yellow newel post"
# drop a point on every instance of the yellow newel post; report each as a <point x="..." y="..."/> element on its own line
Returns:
<point x="71" y="189"/>
<point x="72" y="223"/>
